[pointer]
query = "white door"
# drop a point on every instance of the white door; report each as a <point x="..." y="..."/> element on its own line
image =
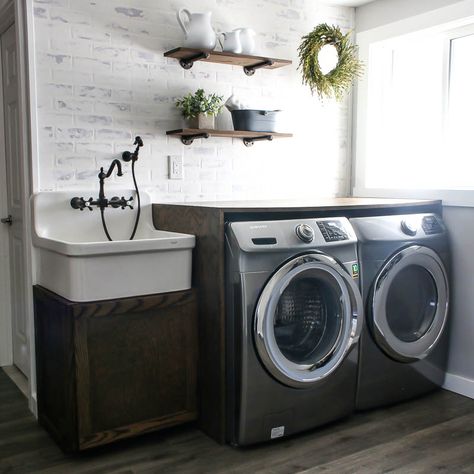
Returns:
<point x="14" y="199"/>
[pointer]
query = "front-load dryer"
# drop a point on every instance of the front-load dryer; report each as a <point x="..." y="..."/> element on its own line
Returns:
<point x="404" y="263"/>
<point x="293" y="319"/>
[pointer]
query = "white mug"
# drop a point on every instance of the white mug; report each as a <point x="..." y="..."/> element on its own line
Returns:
<point x="231" y="42"/>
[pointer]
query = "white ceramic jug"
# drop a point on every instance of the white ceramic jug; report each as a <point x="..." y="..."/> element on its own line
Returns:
<point x="247" y="40"/>
<point x="231" y="42"/>
<point x="198" y="31"/>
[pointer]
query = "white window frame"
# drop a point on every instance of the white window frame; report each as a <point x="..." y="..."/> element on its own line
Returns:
<point x="456" y="20"/>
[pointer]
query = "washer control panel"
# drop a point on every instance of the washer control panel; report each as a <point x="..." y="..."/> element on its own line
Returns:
<point x="294" y="234"/>
<point x="332" y="230"/>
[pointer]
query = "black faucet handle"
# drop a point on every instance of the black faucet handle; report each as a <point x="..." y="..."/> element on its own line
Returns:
<point x="81" y="203"/>
<point x="138" y="141"/>
<point x="127" y="202"/>
<point x="88" y="204"/>
<point x="123" y="203"/>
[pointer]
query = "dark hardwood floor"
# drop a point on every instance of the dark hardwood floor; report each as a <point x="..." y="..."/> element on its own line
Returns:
<point x="434" y="434"/>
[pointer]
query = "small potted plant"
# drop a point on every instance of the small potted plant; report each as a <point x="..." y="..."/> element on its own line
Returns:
<point x="200" y="109"/>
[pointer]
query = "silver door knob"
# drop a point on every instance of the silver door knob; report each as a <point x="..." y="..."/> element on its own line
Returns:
<point x="7" y="220"/>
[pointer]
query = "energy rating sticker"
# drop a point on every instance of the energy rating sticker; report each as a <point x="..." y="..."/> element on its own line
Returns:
<point x="355" y="270"/>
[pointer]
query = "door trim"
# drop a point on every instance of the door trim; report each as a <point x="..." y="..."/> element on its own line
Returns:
<point x="395" y="348"/>
<point x="23" y="19"/>
<point x="7" y="16"/>
<point x="7" y="19"/>
<point x="284" y="370"/>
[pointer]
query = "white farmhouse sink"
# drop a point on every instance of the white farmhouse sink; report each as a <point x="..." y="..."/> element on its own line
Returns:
<point x="76" y="261"/>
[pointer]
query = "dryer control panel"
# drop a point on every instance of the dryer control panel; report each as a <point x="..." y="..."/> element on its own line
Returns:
<point x="431" y="225"/>
<point x="399" y="228"/>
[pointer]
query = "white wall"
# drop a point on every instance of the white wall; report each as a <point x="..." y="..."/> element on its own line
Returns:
<point x="460" y="220"/>
<point x="102" y="79"/>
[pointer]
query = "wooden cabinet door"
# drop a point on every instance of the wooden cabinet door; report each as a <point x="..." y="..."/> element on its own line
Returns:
<point x="136" y="362"/>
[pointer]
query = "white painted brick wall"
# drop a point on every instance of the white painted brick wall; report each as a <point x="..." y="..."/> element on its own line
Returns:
<point x="102" y="79"/>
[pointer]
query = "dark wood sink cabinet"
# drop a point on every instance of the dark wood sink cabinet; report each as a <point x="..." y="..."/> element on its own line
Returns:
<point x="207" y="220"/>
<point x="113" y="369"/>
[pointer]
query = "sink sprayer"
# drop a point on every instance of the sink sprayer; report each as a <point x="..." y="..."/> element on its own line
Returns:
<point x="102" y="202"/>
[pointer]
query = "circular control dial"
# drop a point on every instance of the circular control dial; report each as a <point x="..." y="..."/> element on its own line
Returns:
<point x="305" y="233"/>
<point x="409" y="227"/>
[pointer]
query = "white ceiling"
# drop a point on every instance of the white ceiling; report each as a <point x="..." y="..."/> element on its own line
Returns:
<point x="347" y="3"/>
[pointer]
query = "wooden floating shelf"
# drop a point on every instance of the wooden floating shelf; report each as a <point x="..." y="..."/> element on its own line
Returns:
<point x="188" y="135"/>
<point x="188" y="56"/>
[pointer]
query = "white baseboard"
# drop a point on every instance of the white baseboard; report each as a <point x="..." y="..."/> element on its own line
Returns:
<point x="34" y="405"/>
<point x="459" y="384"/>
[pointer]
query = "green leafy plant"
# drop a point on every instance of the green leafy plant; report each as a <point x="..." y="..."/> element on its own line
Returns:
<point x="335" y="83"/>
<point x="191" y="105"/>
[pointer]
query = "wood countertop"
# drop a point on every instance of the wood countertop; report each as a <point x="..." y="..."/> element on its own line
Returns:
<point x="305" y="205"/>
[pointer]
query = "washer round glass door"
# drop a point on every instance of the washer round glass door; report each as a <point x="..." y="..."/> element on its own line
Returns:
<point x="308" y="317"/>
<point x="410" y="303"/>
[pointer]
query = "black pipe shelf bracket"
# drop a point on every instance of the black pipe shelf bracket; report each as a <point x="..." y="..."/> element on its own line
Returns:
<point x="188" y="135"/>
<point x="187" y="63"/>
<point x="189" y="139"/>
<point x="249" y="63"/>
<point x="250" y="70"/>
<point x="248" y="141"/>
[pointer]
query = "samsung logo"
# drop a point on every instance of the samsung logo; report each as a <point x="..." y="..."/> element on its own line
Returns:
<point x="258" y="226"/>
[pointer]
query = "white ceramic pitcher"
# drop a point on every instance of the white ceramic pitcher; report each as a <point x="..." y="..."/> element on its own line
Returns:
<point x="247" y="40"/>
<point x="231" y="42"/>
<point x="198" y="31"/>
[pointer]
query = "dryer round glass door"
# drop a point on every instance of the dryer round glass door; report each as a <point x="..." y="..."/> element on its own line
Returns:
<point x="307" y="319"/>
<point x="410" y="304"/>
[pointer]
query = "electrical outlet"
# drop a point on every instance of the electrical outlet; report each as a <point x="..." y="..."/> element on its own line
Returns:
<point x="175" y="167"/>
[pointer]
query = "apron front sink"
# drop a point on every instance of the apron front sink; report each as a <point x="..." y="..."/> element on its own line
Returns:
<point x="76" y="260"/>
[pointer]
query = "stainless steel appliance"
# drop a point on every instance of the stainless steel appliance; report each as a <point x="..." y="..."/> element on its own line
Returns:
<point x="404" y="280"/>
<point x="293" y="319"/>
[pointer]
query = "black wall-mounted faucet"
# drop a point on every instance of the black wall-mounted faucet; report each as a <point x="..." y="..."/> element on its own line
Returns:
<point x="102" y="202"/>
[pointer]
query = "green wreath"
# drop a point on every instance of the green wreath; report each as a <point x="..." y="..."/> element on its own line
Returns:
<point x="338" y="81"/>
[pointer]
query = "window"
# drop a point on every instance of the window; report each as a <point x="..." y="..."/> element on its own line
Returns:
<point x="405" y="113"/>
<point x="417" y="131"/>
<point x="458" y="170"/>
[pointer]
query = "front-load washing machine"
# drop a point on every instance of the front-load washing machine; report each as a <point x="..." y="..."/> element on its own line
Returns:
<point x="293" y="319"/>
<point x="404" y="263"/>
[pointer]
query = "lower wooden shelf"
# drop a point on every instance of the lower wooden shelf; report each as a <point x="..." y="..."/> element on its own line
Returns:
<point x="188" y="135"/>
